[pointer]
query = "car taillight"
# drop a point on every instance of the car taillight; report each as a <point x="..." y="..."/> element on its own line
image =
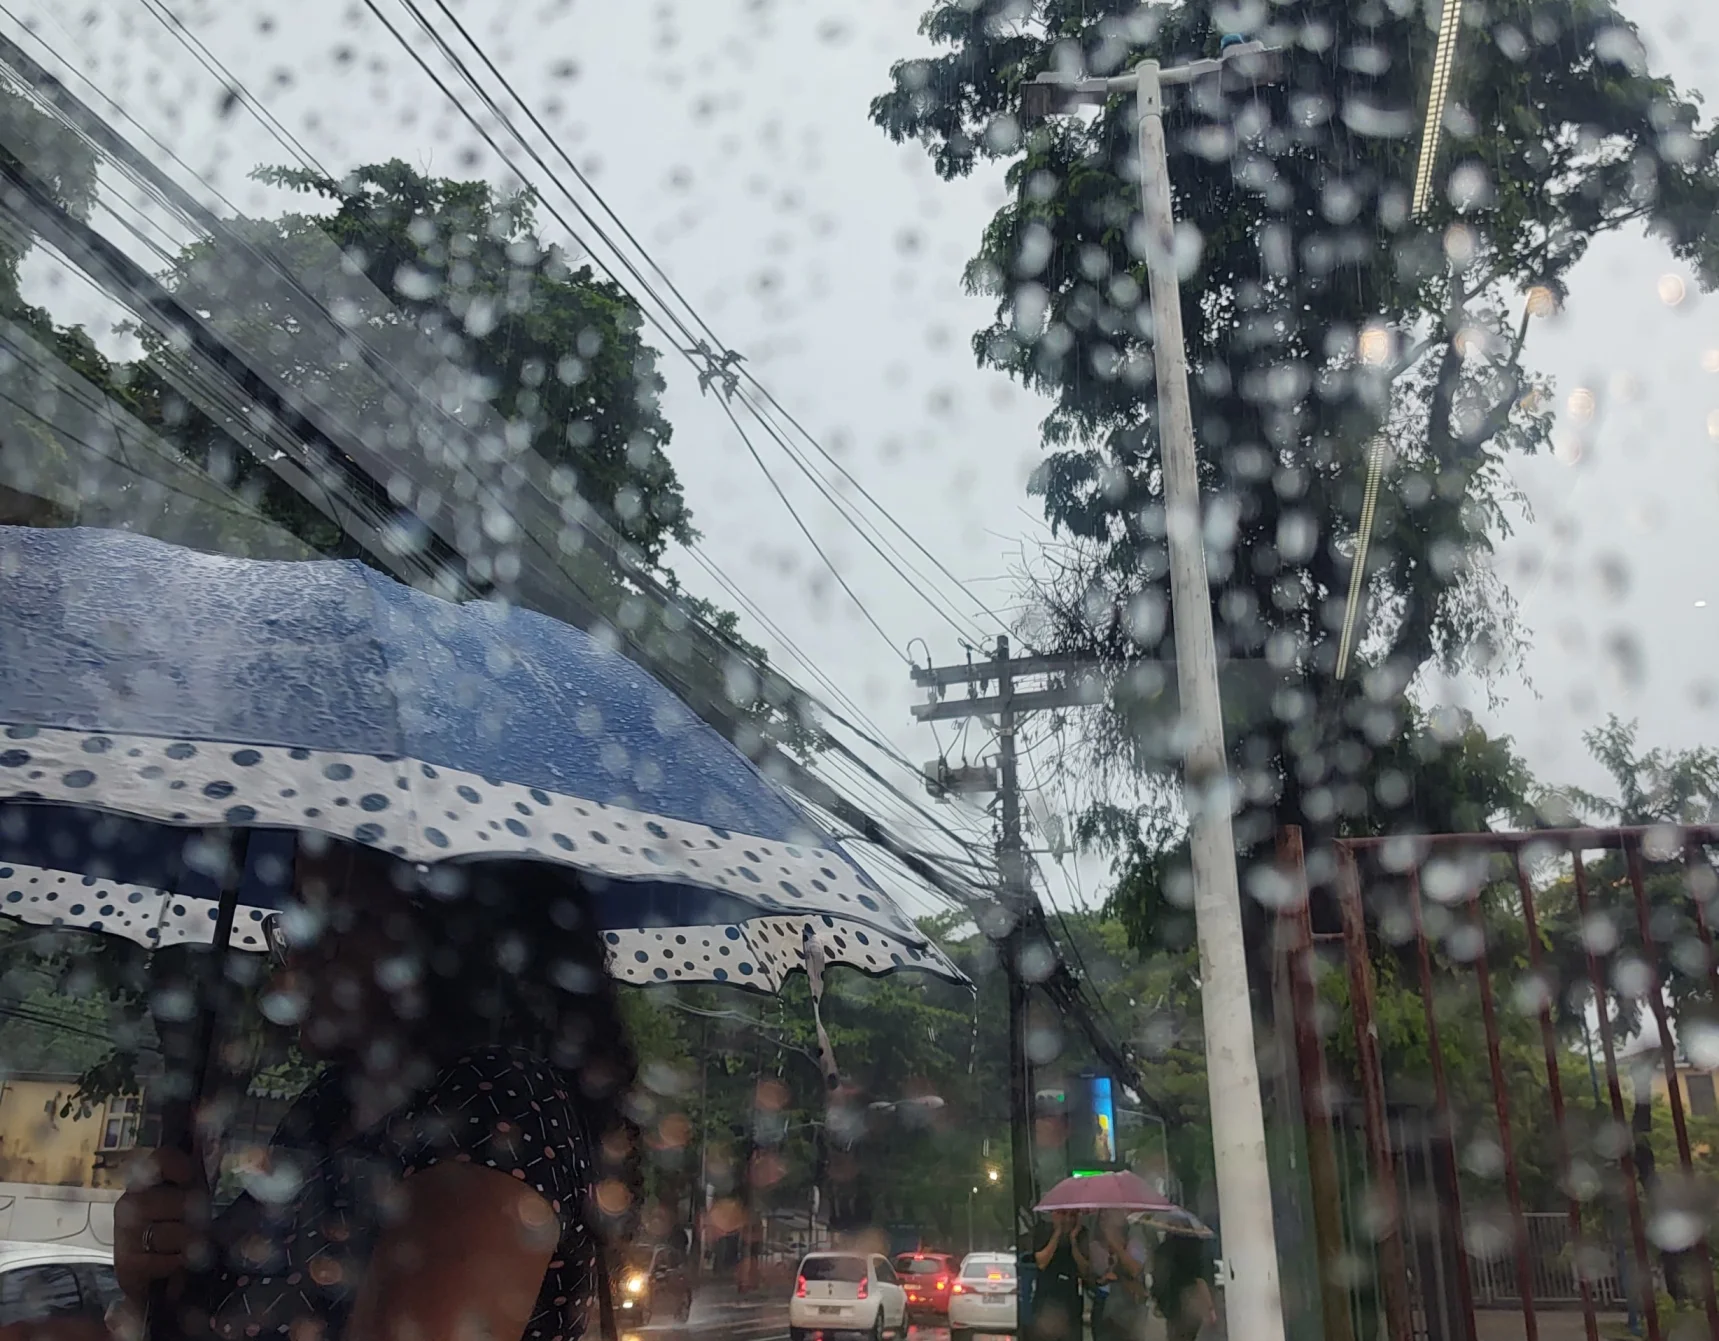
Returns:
<point x="800" y="1286"/>
<point x="957" y="1288"/>
<point x="864" y="1287"/>
<point x="942" y="1284"/>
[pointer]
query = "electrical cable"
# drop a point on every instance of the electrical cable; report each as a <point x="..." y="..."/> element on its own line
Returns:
<point x="811" y="539"/>
<point x="489" y="139"/>
<point x="210" y="63"/>
<point x="692" y="311"/>
<point x="920" y="585"/>
<point x="913" y="860"/>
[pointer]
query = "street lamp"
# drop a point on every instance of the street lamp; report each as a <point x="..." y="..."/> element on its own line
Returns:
<point x="1238" y="1123"/>
<point x="993" y="1176"/>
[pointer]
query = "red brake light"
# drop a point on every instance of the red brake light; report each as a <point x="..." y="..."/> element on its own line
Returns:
<point x="942" y="1284"/>
<point x="800" y="1286"/>
<point x="957" y="1288"/>
<point x="864" y="1288"/>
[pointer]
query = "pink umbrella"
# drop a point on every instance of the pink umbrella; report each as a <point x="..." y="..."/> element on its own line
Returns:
<point x="1121" y="1191"/>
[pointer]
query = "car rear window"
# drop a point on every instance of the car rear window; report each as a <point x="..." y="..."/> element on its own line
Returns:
<point x="833" y="1268"/>
<point x="998" y="1270"/>
<point x="920" y="1266"/>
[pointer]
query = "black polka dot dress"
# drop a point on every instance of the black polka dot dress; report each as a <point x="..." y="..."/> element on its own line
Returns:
<point x="291" y="1251"/>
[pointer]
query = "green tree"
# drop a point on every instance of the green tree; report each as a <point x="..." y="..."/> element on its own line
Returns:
<point x="555" y="352"/>
<point x="1321" y="315"/>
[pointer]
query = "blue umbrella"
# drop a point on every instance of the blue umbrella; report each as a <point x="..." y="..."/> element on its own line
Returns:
<point x="147" y="690"/>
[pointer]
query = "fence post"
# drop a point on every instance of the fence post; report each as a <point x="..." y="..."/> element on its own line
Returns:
<point x="1449" y="1177"/>
<point x="1642" y="1282"/>
<point x="1393" y="1267"/>
<point x="1555" y="1085"/>
<point x="1668" y="1055"/>
<point x="1314" y="1085"/>
<point x="1501" y="1108"/>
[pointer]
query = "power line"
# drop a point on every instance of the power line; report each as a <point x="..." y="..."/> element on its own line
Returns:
<point x="920" y="864"/>
<point x="207" y="59"/>
<point x="811" y="539"/>
<point x="686" y="303"/>
<point x="585" y="214"/>
<point x="698" y="349"/>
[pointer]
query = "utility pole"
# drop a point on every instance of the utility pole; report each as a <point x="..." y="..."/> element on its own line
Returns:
<point x="1081" y="684"/>
<point x="1017" y="892"/>
<point x="1232" y="1068"/>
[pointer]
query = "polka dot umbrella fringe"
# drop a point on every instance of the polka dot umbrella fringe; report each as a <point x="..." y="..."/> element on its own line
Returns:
<point x="171" y="692"/>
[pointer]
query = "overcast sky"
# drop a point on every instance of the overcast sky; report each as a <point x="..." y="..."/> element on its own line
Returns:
<point x="731" y="136"/>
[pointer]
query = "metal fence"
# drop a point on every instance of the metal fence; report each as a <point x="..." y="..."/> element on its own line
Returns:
<point x="1420" y="1212"/>
<point x="1552" y="1260"/>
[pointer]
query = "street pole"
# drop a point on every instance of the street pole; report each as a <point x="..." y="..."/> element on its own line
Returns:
<point x="1017" y="895"/>
<point x="1232" y="1067"/>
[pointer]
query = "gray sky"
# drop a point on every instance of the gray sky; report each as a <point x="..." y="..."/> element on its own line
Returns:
<point x="731" y="136"/>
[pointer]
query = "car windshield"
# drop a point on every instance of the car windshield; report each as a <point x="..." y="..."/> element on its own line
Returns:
<point x="944" y="620"/>
<point x="834" y="1268"/>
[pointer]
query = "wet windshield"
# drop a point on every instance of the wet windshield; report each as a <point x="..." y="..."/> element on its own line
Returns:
<point x="692" y="635"/>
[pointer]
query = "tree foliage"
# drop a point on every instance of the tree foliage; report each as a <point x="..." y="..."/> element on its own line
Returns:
<point x="1321" y="315"/>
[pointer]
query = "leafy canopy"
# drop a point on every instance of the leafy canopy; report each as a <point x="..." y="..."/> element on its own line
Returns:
<point x="1321" y="315"/>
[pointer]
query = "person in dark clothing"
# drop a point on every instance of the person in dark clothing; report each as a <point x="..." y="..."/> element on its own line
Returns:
<point x="1062" y="1264"/>
<point x="1182" y="1286"/>
<point x="453" y="1168"/>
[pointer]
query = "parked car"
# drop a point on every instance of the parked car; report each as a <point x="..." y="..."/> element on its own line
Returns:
<point x="39" y="1281"/>
<point x="982" y="1298"/>
<point x="652" y="1283"/>
<point x="848" y="1294"/>
<point x="926" y="1277"/>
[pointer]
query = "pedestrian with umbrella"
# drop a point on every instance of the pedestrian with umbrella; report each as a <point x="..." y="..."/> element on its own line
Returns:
<point x="1119" y="1260"/>
<point x="1106" y="1194"/>
<point x="455" y="1161"/>
<point x="1182" y="1273"/>
<point x="454" y="825"/>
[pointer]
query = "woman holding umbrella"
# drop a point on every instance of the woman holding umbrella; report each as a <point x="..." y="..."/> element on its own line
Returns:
<point x="535" y="813"/>
<point x="1057" y="1299"/>
<point x="454" y="1165"/>
<point x="1182" y="1273"/>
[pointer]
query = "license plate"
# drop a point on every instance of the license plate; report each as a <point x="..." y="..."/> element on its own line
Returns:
<point x="829" y="1312"/>
<point x="988" y="1336"/>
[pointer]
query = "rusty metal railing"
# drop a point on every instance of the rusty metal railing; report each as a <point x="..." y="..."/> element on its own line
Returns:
<point x="1377" y="882"/>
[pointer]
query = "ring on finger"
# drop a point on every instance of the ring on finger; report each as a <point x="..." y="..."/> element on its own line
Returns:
<point x="149" y="1237"/>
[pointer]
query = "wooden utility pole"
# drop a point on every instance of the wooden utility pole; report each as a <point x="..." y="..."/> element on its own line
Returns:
<point x="1078" y="685"/>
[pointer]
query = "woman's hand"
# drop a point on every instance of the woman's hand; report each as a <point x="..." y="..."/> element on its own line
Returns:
<point x="157" y="1222"/>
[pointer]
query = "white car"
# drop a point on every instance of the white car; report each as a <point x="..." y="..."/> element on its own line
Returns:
<point x="54" y="1280"/>
<point x="982" y="1299"/>
<point x="847" y="1293"/>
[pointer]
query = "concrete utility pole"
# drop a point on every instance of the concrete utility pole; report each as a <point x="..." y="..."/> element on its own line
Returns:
<point x="1238" y="1122"/>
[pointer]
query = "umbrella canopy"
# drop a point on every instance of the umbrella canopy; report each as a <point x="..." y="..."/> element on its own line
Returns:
<point x="1120" y="1191"/>
<point x="181" y="690"/>
<point x="1177" y="1221"/>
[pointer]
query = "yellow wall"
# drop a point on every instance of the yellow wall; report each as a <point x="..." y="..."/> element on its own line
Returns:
<point x="37" y="1145"/>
